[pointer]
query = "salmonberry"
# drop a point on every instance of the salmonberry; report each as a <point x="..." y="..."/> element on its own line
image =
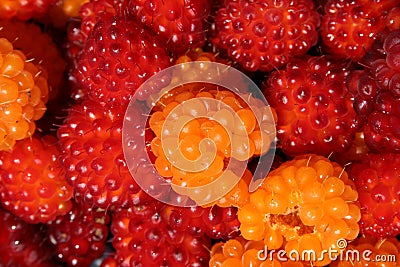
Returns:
<point x="90" y="144"/>
<point x="142" y="238"/>
<point x="78" y="31"/>
<point x="307" y="203"/>
<point x="32" y="182"/>
<point x="80" y="236"/>
<point x="115" y="62"/>
<point x="181" y="24"/>
<point x="39" y="49"/>
<point x="234" y="130"/>
<point x="377" y="178"/>
<point x="266" y="35"/>
<point x="215" y="222"/>
<point x="349" y="28"/>
<point x="378" y="94"/>
<point x="314" y="106"/>
<point x="23" y="244"/>
<point x="23" y="95"/>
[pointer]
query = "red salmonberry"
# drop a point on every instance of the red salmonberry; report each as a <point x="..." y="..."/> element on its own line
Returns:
<point x="141" y="238"/>
<point x="32" y="182"/>
<point x="90" y="143"/>
<point x="180" y="24"/>
<point x="313" y="105"/>
<point x="349" y="27"/>
<point x="115" y="62"/>
<point x="377" y="178"/>
<point x="267" y="34"/>
<point x="80" y="236"/>
<point x="215" y="222"/>
<point x="23" y="244"/>
<point x="78" y="31"/>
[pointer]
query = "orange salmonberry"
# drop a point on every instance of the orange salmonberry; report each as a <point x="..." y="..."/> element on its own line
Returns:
<point x="216" y="126"/>
<point x="207" y="138"/>
<point x="23" y="95"/>
<point x="307" y="203"/>
<point x="39" y="48"/>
